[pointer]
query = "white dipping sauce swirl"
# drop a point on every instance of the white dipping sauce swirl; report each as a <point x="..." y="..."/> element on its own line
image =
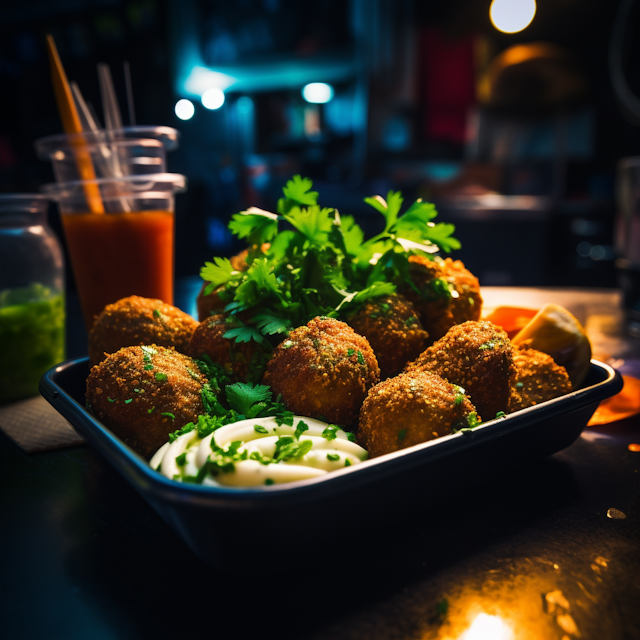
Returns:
<point x="330" y="449"/>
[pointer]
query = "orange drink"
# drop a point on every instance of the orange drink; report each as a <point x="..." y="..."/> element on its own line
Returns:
<point x="128" y="249"/>
<point x="118" y="255"/>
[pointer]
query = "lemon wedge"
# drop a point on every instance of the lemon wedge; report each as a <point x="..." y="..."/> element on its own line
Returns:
<point x="555" y="331"/>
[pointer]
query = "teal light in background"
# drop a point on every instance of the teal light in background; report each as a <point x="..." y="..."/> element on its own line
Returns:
<point x="317" y="92"/>
<point x="213" y="98"/>
<point x="184" y="109"/>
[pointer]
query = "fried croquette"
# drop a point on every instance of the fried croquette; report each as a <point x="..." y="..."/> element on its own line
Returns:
<point x="411" y="408"/>
<point x="243" y="360"/>
<point x="135" y="321"/>
<point x="477" y="356"/>
<point x="395" y="333"/>
<point x="323" y="370"/>
<point x="538" y="378"/>
<point x="144" y="393"/>
<point x="448" y="294"/>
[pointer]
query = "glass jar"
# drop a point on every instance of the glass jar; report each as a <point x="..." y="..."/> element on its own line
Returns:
<point x="32" y="317"/>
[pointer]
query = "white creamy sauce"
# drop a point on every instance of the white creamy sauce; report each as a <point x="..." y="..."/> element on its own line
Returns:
<point x="188" y="454"/>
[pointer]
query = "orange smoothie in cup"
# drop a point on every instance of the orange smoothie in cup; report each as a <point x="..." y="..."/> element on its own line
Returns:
<point x="115" y="255"/>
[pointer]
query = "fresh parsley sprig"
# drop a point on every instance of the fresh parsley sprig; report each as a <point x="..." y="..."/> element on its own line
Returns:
<point x="306" y="260"/>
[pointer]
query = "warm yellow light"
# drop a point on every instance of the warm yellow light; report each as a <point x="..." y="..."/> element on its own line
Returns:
<point x="486" y="627"/>
<point x="511" y="16"/>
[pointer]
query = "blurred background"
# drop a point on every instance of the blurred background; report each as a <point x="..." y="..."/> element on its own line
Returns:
<point x="514" y="135"/>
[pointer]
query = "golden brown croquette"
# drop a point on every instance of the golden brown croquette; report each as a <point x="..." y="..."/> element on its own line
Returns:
<point x="245" y="361"/>
<point x="411" y="408"/>
<point x="136" y="321"/>
<point x="448" y="294"/>
<point x="323" y="370"/>
<point x="477" y="356"/>
<point x="538" y="378"/>
<point x="391" y="325"/>
<point x="144" y="393"/>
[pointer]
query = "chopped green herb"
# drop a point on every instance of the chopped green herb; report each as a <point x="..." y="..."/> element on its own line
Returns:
<point x="181" y="460"/>
<point x="410" y="321"/>
<point x="360" y="358"/>
<point x="269" y="481"/>
<point x="286" y="344"/>
<point x="351" y="352"/>
<point x="111" y="399"/>
<point x="500" y="414"/>
<point x="347" y="462"/>
<point x="300" y="429"/>
<point x="193" y="374"/>
<point x="156" y="313"/>
<point x="331" y="432"/>
<point x="148" y="367"/>
<point x="472" y="420"/>
<point x="519" y="385"/>
<point x="286" y="417"/>
<point x="287" y="448"/>
<point x="151" y="410"/>
<point x="139" y="390"/>
<point x="129" y="401"/>
<point x="258" y="428"/>
<point x="168" y="415"/>
<point x="442" y="607"/>
<point x="351" y="437"/>
<point x="149" y="351"/>
<point x="180" y="432"/>
<point x="333" y="457"/>
<point x="161" y="377"/>
<point x="490" y="344"/>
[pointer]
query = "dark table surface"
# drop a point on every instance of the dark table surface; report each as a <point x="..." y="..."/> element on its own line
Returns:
<point x="530" y="555"/>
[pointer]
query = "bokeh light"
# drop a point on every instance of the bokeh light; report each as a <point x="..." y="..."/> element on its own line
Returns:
<point x="317" y="92"/>
<point x="486" y="627"/>
<point x="213" y="98"/>
<point x="511" y="16"/>
<point x="184" y="109"/>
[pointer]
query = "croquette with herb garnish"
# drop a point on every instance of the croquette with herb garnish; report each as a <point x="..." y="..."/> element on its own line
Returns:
<point x="391" y="325"/>
<point x="412" y="408"/>
<point x="135" y="321"/>
<point x="323" y="370"/>
<point x="245" y="361"/>
<point x="478" y="357"/>
<point x="538" y="379"/>
<point x="445" y="293"/>
<point x="144" y="393"/>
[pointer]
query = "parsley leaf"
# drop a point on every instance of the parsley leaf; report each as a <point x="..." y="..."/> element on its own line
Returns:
<point x="288" y="448"/>
<point x="298" y="190"/>
<point x="247" y="399"/>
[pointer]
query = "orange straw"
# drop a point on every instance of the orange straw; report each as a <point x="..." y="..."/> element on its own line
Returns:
<point x="71" y="125"/>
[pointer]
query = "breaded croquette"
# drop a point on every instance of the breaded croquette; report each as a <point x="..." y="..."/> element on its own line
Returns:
<point x="144" y="393"/>
<point x="135" y="321"/>
<point x="392" y="327"/>
<point x="323" y="370"/>
<point x="538" y="378"/>
<point x="477" y="356"/>
<point x="448" y="294"/>
<point x="411" y="408"/>
<point x="244" y="360"/>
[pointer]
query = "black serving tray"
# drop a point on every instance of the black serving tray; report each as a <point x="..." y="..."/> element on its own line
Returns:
<point x="225" y="526"/>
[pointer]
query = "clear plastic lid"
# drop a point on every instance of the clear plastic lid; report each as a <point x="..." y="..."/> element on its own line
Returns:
<point x="46" y="147"/>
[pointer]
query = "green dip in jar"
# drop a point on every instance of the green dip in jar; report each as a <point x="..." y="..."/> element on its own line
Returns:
<point x="31" y="338"/>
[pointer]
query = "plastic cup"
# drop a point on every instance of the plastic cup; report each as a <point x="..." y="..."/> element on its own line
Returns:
<point x="128" y="249"/>
<point x="108" y="154"/>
